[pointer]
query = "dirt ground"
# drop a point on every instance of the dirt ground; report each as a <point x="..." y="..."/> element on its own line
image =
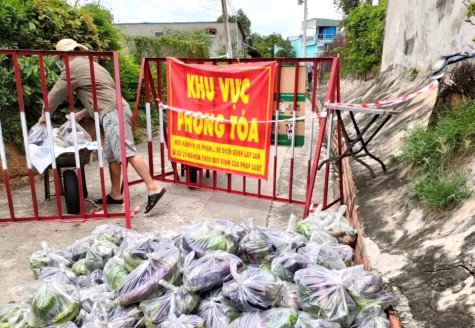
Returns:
<point x="428" y="259"/>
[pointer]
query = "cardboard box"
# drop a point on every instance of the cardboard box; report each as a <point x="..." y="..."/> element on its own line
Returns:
<point x="287" y="80"/>
<point x="284" y="134"/>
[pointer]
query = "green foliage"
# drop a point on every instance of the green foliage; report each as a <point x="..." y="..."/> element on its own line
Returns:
<point x="194" y="43"/>
<point x="439" y="191"/>
<point x="435" y="153"/>
<point x="129" y="75"/>
<point x="346" y="5"/>
<point x="365" y="33"/>
<point x="266" y="45"/>
<point x="242" y="19"/>
<point x="413" y="74"/>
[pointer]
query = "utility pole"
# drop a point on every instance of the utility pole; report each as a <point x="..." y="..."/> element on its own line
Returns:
<point x="229" y="48"/>
<point x="304" y="41"/>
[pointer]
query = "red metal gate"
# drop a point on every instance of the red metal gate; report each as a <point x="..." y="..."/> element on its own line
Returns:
<point x="14" y="215"/>
<point x="152" y="75"/>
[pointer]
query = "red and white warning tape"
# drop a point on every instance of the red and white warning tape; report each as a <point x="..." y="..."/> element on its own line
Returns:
<point x="390" y="102"/>
<point x="207" y="116"/>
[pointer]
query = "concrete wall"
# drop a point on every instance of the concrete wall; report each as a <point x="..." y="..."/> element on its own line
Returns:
<point x="219" y="40"/>
<point x="419" y="31"/>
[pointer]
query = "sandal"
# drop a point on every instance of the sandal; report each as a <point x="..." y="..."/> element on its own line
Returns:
<point x="153" y="200"/>
<point x="110" y="200"/>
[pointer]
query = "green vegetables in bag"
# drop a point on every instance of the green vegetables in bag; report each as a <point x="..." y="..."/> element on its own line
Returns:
<point x="55" y="303"/>
<point x="115" y="272"/>
<point x="273" y="318"/>
<point x="13" y="316"/>
<point x="79" y="268"/>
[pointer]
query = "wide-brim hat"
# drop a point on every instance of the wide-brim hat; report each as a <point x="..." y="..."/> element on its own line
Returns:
<point x="69" y="45"/>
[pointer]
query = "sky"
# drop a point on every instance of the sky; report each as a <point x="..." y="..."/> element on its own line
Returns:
<point x="266" y="16"/>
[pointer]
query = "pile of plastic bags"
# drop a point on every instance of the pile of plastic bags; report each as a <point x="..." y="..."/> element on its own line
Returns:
<point x="214" y="274"/>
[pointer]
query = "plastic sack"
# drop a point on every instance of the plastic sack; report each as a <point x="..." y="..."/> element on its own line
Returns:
<point x="90" y="295"/>
<point x="322" y="293"/>
<point x="115" y="272"/>
<point x="105" y="314"/>
<point x="55" y="303"/>
<point x="209" y="271"/>
<point x="212" y="236"/>
<point x="138" y="251"/>
<point x="305" y="320"/>
<point x="290" y="296"/>
<point x="110" y="232"/>
<point x="372" y="317"/>
<point x="92" y="279"/>
<point x="339" y="227"/>
<point x="273" y="318"/>
<point x="97" y="256"/>
<point x="69" y="324"/>
<point x="285" y="265"/>
<point x="346" y="252"/>
<point x="261" y="245"/>
<point x="324" y="255"/>
<point x="366" y="288"/>
<point x="66" y="135"/>
<point x="177" y="301"/>
<point x="321" y="236"/>
<point x="63" y="275"/>
<point x="46" y="257"/>
<point x="142" y="283"/>
<point x="253" y="289"/>
<point x="13" y="316"/>
<point x="217" y="311"/>
<point x="312" y="222"/>
<point x="184" y="321"/>
<point x="37" y="134"/>
<point x="78" y="250"/>
<point x="79" y="268"/>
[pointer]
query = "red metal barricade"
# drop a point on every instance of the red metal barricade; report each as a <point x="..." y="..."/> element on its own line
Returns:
<point x="14" y="215"/>
<point x="152" y="75"/>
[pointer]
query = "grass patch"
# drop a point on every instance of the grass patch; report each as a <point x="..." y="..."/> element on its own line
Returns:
<point x="436" y="153"/>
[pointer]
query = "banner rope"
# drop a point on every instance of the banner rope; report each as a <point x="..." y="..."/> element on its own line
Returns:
<point x="388" y="102"/>
<point x="212" y="118"/>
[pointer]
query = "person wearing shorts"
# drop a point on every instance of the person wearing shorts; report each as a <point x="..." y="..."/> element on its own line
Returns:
<point x="106" y="101"/>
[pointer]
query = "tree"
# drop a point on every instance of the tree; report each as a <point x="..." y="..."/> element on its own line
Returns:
<point x="266" y="45"/>
<point x="242" y="19"/>
<point x="348" y="5"/>
<point x="364" y="36"/>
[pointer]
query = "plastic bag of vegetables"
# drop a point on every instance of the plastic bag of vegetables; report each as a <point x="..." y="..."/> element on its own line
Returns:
<point x="209" y="271"/>
<point x="110" y="232"/>
<point x="305" y="320"/>
<point x="322" y="293"/>
<point x="97" y="256"/>
<point x="217" y="310"/>
<point x="177" y="301"/>
<point x="290" y="297"/>
<point x="366" y="288"/>
<point x="79" y="268"/>
<point x="142" y="283"/>
<point x="371" y="317"/>
<point x="77" y="250"/>
<point x="13" y="316"/>
<point x="69" y="324"/>
<point x="137" y="252"/>
<point x="346" y="253"/>
<point x="90" y="295"/>
<point x="324" y="255"/>
<point x="261" y="245"/>
<point x="184" y="321"/>
<point x="46" y="257"/>
<point x="321" y="236"/>
<point x="286" y="264"/>
<point x="55" y="303"/>
<point x="253" y="289"/>
<point x="107" y="314"/>
<point x="211" y="236"/>
<point x="92" y="279"/>
<point x="273" y="318"/>
<point x="115" y="272"/>
<point x="339" y="227"/>
<point x="63" y="275"/>
<point x="312" y="222"/>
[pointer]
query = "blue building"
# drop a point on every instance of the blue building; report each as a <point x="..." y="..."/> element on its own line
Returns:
<point x="323" y="32"/>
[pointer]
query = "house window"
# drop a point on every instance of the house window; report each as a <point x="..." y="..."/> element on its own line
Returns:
<point x="326" y="33"/>
<point x="158" y="34"/>
<point x="211" y="31"/>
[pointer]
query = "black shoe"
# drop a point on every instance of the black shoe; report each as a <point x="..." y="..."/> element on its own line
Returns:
<point x="153" y="200"/>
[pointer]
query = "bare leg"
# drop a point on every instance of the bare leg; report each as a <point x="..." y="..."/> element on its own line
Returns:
<point x="115" y="174"/>
<point x="139" y="166"/>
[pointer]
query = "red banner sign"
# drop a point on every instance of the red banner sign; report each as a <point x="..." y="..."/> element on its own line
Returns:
<point x="219" y="115"/>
